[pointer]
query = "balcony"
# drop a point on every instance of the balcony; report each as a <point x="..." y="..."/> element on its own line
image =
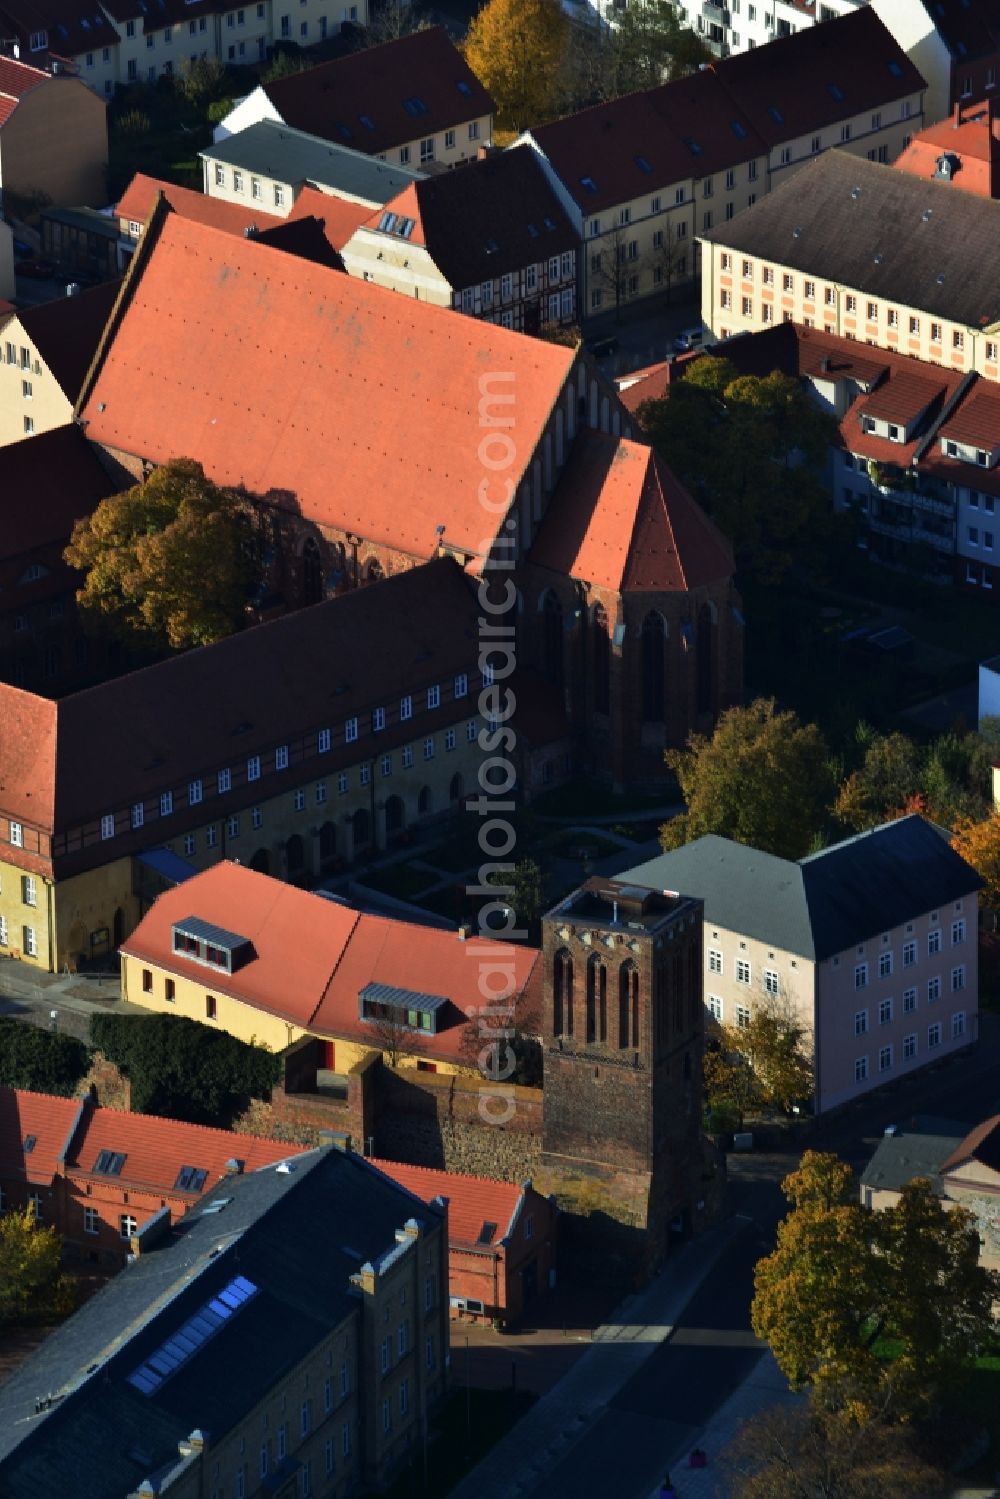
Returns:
<point x="716" y="13"/>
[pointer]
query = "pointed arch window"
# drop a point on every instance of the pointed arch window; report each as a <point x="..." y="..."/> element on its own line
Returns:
<point x="562" y="978"/>
<point x="628" y="1005"/>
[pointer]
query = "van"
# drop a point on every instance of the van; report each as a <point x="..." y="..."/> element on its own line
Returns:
<point x="691" y="338"/>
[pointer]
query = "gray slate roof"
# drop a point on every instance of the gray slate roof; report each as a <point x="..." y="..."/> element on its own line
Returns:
<point x="823" y="904"/>
<point x="900" y="1158"/>
<point x="297" y="1237"/>
<point x="287" y="155"/>
<point x="891" y="235"/>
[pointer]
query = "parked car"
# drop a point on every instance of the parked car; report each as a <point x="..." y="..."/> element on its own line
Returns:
<point x="37" y="269"/>
<point x="690" y="338"/>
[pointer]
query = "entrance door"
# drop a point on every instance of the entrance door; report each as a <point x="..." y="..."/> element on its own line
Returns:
<point x="329" y="1062"/>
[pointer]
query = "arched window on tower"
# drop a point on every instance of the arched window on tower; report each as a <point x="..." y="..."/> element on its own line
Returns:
<point x="553" y="638"/>
<point x="628" y="1005"/>
<point x="706" y="659"/>
<point x="654" y="665"/>
<point x="601" y="658"/>
<point x="562" y="980"/>
<point x="597" y="999"/>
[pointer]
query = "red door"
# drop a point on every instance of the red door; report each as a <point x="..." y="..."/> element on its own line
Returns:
<point x="330" y="1056"/>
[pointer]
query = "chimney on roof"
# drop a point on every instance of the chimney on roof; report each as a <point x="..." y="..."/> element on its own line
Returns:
<point x="464" y="933"/>
<point x="956" y="115"/>
<point x="234" y="1166"/>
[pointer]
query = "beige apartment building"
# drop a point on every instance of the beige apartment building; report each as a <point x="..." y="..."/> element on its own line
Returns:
<point x="45" y="352"/>
<point x="645" y="177"/>
<point x="909" y="268"/>
<point x="872" y="945"/>
<point x="53" y="137"/>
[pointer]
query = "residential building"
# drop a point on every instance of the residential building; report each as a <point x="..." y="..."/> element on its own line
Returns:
<point x="645" y="176"/>
<point x="955" y="45"/>
<point x="53" y="138"/>
<point x="135" y="41"/>
<point x="310" y="783"/>
<point x="41" y="643"/>
<point x="623" y="1035"/>
<point x="871" y="945"/>
<point x="501" y="1240"/>
<point x="740" y="26"/>
<point x="269" y="165"/>
<point x="47" y="351"/>
<point x="289" y="964"/>
<point x="403" y="370"/>
<point x="962" y="1166"/>
<point x="290" y="1335"/>
<point x="492" y="240"/>
<point x="908" y="268"/>
<point x="963" y="149"/>
<point x="98" y="1176"/>
<point x="413" y="101"/>
<point x="7" y="283"/>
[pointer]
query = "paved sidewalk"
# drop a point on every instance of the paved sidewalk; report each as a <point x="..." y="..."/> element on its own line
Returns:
<point x="539" y="1441"/>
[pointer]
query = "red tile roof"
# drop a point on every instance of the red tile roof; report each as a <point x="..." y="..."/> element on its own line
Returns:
<point x="16" y="80"/>
<point x="472" y="1200"/>
<point x="312" y="957"/>
<point x="906" y="395"/>
<point x="48" y="1118"/>
<point x="408" y="380"/>
<point x="139" y="199"/>
<point x="968" y="31"/>
<point x="621" y="520"/>
<point x="59" y="473"/>
<point x="157" y="1149"/>
<point x="981" y="1144"/>
<point x="970" y="138"/>
<point x="650" y="384"/>
<point x="976" y="421"/>
<point x="338" y="217"/>
<point x="417" y="85"/>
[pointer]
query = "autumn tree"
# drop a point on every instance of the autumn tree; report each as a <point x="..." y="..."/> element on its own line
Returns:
<point x="32" y="1284"/>
<point x="762" y="779"/>
<point x="979" y="845"/>
<point x="844" y="1282"/>
<point x="515" y="49"/>
<point x="170" y="562"/>
<point x="890" y="775"/>
<point x="502" y="1040"/>
<point x="765" y="1062"/>
<point x="819" y="1449"/>
<point x="753" y="451"/>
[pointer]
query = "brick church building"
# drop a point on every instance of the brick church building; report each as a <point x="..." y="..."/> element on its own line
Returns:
<point x="373" y="432"/>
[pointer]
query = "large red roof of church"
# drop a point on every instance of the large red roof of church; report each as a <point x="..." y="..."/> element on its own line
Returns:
<point x="621" y="520"/>
<point x="349" y="403"/>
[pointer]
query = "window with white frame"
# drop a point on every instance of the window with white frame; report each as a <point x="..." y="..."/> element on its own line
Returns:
<point x="884" y="1058"/>
<point x="29" y="893"/>
<point x="256" y="818"/>
<point x="195" y="793"/>
<point x="884" y="964"/>
<point x="860" y="1022"/>
<point x="281" y="757"/>
<point x="462" y="684"/>
<point x="860" y="1069"/>
<point x="958" y="1025"/>
<point x="351" y="730"/>
<point x="934" y="1035"/>
<point x="909" y="954"/>
<point x="406" y="707"/>
<point x="771" y="983"/>
<point x="715" y="1008"/>
<point x="428" y="749"/>
<point x="127" y="1225"/>
<point x="378" y="720"/>
<point x="108" y="826"/>
<point x="909" y="1046"/>
<point x="860" y="975"/>
<point x="299" y="799"/>
<point x="742" y="971"/>
<point x="958" y="978"/>
<point x="933" y="990"/>
<point x="138" y="814"/>
<point x="224" y="781"/>
<point x="714" y="960"/>
<point x="166" y="803"/>
<point x="742" y="1017"/>
<point x="909" y="1001"/>
<point x="957" y="932"/>
<point x="885" y="1012"/>
<point x="933" y="942"/>
<point x="434" y="697"/>
<point x="253" y="768"/>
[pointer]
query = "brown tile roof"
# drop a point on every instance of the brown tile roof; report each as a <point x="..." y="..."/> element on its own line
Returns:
<point x="906" y="394"/>
<point x="305" y="237"/>
<point x="16" y="80"/>
<point x="728" y="112"/>
<point x="970" y="138"/>
<point x="66" y="333"/>
<point x="312" y="957"/>
<point x="497" y="215"/>
<point x="621" y="520"/>
<point x="52" y="480"/>
<point x="383" y="96"/>
<point x="472" y="1200"/>
<point x="911" y="243"/>
<point x="981" y="1144"/>
<point x="73" y="26"/>
<point x="968" y="31"/>
<point x="62" y="764"/>
<point x="48" y="1118"/>
<point x="407" y="378"/>
<point x="976" y="421"/>
<point x="137" y="203"/>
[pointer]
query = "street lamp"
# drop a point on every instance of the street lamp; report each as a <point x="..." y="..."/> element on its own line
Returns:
<point x="54" y="1019"/>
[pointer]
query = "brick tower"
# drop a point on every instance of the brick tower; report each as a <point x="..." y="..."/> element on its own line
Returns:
<point x="623" y="1034"/>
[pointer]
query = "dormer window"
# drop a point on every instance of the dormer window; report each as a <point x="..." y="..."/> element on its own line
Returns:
<point x="982" y="458"/>
<point x="214" y="946"/>
<point x="385" y="1004"/>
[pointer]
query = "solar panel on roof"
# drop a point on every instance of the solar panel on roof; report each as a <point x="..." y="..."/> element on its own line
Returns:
<point x="186" y="1340"/>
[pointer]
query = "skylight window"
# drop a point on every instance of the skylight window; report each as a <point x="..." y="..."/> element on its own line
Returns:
<point x="486" y="1233"/>
<point x="30" y="1141"/>
<point x="345" y="130"/>
<point x="739" y="129"/>
<point x="366" y="122"/>
<point x="588" y="184"/>
<point x="532" y="231"/>
<point x="188" y="1338"/>
<point x="405" y="228"/>
<point x="109" y="1163"/>
<point x="463" y="88"/>
<point x="414" y="105"/>
<point x="190" y="1179"/>
<point x="776" y="114"/>
<point x="491" y="247"/>
<point x="549" y="223"/>
<point x="835" y="91"/>
<point x="642" y="163"/>
<point x="895" y="68"/>
<point x="386" y="222"/>
<point x="692" y="145"/>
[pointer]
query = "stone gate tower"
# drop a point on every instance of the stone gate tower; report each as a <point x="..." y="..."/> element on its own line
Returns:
<point x="623" y="1035"/>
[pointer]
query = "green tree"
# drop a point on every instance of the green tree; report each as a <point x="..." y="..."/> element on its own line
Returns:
<point x="524" y="887"/>
<point x="40" y="1060"/>
<point x="170" y="562"/>
<point x="181" y="1069"/>
<point x="515" y="48"/>
<point x="762" y="779"/>
<point x="33" y="1287"/>
<point x="753" y="450"/>
<point x="890" y="776"/>
<point x="820" y="1450"/>
<point x="649" y="44"/>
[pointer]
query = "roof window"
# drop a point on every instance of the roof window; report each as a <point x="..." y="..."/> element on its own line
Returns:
<point x="463" y="88"/>
<point x="588" y="184"/>
<point x="386" y="222"/>
<point x="776" y="114"/>
<point x="739" y="129"/>
<point x="191" y="1335"/>
<point x="835" y="91"/>
<point x="204" y="942"/>
<point x="30" y="1141"/>
<point x="414" y="105"/>
<point x="109" y="1163"/>
<point x="692" y="145"/>
<point x="642" y="163"/>
<point x="366" y="121"/>
<point x="895" y="68"/>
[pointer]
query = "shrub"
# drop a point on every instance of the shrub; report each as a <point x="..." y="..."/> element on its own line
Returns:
<point x="40" y="1060"/>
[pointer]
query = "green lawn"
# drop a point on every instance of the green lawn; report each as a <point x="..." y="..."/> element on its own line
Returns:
<point x="461" y="1433"/>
